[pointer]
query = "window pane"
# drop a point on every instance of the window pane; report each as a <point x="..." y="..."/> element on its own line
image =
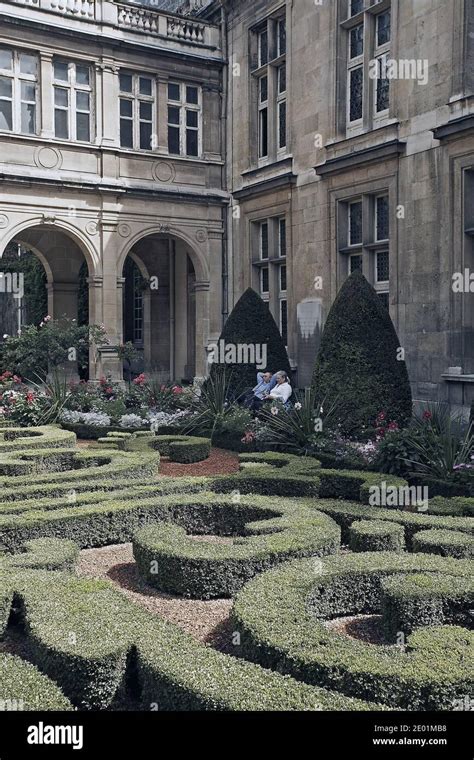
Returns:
<point x="28" y="91"/>
<point x="83" y="127"/>
<point x="6" y="115"/>
<point x="146" y="111"/>
<point x="61" y="97"/>
<point x="383" y="88"/>
<point x="355" y="223"/>
<point x="264" y="241"/>
<point x="126" y="82"/>
<point x="357" y="41"/>
<point x="191" y="118"/>
<point x="382" y="266"/>
<point x="263" y="132"/>
<point x="82" y="74"/>
<point x="83" y="101"/>
<point x="192" y="95"/>
<point x="356" y="6"/>
<point x="382" y="230"/>
<point x="126" y="107"/>
<point x="5" y="87"/>
<point x="145" y="135"/>
<point x="6" y="58"/>
<point x="384" y="298"/>
<point x="61" y="71"/>
<point x="282" y="227"/>
<point x="355" y="264"/>
<point x="264" y="280"/>
<point x="126" y="133"/>
<point x="173" y="140"/>
<point x="355" y="95"/>
<point x="28" y="123"/>
<point x="28" y="63"/>
<point x="282" y="79"/>
<point x="173" y="115"/>
<point x="383" y="28"/>
<point x="281" y="37"/>
<point x="263" y="89"/>
<point x="283" y="278"/>
<point x="173" y="92"/>
<point x="191" y="142"/>
<point x="145" y="86"/>
<point x="282" y="125"/>
<point x="61" y="128"/>
<point x="263" y="45"/>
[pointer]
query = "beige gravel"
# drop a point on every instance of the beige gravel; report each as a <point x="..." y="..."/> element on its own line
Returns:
<point x="205" y="620"/>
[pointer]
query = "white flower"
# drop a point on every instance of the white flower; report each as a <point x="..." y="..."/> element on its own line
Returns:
<point x="131" y="421"/>
<point x="274" y="411"/>
<point x="321" y="410"/>
<point x="298" y="406"/>
<point x="5" y="336"/>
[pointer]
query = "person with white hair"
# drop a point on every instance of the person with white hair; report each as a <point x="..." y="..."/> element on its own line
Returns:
<point x="282" y="390"/>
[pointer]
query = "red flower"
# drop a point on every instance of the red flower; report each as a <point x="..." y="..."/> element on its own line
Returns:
<point x="177" y="389"/>
<point x="109" y="390"/>
<point x="427" y="415"/>
<point x="30" y="397"/>
<point x="393" y="426"/>
<point x="140" y="380"/>
<point x="103" y="381"/>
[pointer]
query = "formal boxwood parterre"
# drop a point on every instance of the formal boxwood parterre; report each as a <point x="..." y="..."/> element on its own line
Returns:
<point x="87" y="637"/>
<point x="43" y="437"/>
<point x="448" y="543"/>
<point x="415" y="600"/>
<point x="376" y="536"/>
<point x="282" y="615"/>
<point x="173" y="562"/>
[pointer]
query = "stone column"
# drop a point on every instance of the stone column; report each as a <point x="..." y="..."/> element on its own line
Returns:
<point x="95" y="318"/>
<point x="47" y="95"/>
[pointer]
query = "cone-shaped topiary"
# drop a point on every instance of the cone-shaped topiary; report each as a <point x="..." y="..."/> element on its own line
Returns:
<point x="358" y="365"/>
<point x="251" y="331"/>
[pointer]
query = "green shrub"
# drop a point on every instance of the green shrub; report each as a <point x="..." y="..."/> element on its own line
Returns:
<point x="24" y="688"/>
<point x="251" y="323"/>
<point x="192" y="450"/>
<point x="168" y="559"/>
<point x="447" y="543"/>
<point x="43" y="437"/>
<point x="89" y="638"/>
<point x="357" y="365"/>
<point x="424" y="599"/>
<point x="376" y="536"/>
<point x="457" y="505"/>
<point x="281" y="616"/>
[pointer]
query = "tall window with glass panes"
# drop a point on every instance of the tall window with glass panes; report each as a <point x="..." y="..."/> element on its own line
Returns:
<point x="271" y="268"/>
<point x="18" y="91"/>
<point x="365" y="31"/>
<point x="364" y="240"/>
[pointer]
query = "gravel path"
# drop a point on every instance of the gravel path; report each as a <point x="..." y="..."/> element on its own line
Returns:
<point x="219" y="462"/>
<point x="367" y="628"/>
<point x="205" y="620"/>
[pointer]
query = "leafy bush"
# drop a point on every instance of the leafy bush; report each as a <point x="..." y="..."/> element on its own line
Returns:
<point x="357" y="365"/>
<point x="281" y="616"/>
<point x="447" y="543"/>
<point x="251" y="323"/>
<point x="24" y="688"/>
<point x="376" y="536"/>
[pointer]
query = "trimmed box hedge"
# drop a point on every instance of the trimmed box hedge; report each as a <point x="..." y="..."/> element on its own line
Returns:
<point x="89" y="638"/>
<point x="173" y="562"/>
<point x="447" y="543"/>
<point x="182" y="448"/>
<point x="281" y="617"/>
<point x="24" y="688"/>
<point x="42" y="437"/>
<point x="376" y="536"/>
<point x="425" y="599"/>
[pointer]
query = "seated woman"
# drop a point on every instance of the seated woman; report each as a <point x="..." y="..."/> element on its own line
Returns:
<point x="282" y="390"/>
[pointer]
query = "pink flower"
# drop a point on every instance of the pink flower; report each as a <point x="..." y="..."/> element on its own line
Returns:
<point x="393" y="426"/>
<point x="177" y="390"/>
<point x="140" y="380"/>
<point x="427" y="415"/>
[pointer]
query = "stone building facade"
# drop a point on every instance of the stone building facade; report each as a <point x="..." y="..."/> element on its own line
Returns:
<point x="331" y="136"/>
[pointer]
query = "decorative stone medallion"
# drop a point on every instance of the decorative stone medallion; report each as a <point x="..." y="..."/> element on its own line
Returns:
<point x="201" y="235"/>
<point x="4" y="221"/>
<point x="164" y="171"/>
<point x="124" y="230"/>
<point x="48" y="158"/>
<point x="92" y="228"/>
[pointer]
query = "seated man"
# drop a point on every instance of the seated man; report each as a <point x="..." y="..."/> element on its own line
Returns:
<point x="255" y="398"/>
<point x="282" y="390"/>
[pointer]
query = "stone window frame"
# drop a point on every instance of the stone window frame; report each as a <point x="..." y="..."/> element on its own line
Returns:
<point x="346" y="22"/>
<point x="73" y="88"/>
<point x="275" y="296"/>
<point x="17" y="78"/>
<point x="364" y="254"/>
<point x="135" y="97"/>
<point x="461" y="255"/>
<point x="276" y="106"/>
<point x="184" y="106"/>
